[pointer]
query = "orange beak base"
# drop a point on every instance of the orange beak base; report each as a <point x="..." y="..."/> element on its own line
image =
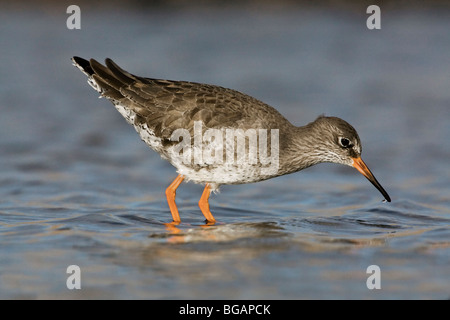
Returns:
<point x="364" y="170"/>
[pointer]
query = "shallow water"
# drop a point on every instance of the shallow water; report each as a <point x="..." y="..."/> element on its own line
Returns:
<point x="77" y="186"/>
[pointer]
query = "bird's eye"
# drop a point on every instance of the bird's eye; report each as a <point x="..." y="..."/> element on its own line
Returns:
<point x="345" y="142"/>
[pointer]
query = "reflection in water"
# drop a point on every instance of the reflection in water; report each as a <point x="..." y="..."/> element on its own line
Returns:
<point x="217" y="232"/>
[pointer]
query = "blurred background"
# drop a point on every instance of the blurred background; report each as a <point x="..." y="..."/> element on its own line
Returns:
<point x="78" y="186"/>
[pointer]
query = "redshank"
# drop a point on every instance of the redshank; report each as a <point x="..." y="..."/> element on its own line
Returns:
<point x="169" y="115"/>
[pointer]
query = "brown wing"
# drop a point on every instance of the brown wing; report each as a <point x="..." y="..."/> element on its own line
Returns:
<point x="166" y="105"/>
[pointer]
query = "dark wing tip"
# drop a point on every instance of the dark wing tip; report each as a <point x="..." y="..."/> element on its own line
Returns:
<point x="83" y="64"/>
<point x="78" y="59"/>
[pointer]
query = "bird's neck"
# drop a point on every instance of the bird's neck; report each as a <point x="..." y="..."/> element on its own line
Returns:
<point x="298" y="150"/>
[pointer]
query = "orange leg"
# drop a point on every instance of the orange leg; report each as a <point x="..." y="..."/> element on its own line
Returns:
<point x="204" y="205"/>
<point x="170" y="194"/>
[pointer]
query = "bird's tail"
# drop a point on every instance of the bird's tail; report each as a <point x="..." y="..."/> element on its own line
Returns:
<point x="107" y="80"/>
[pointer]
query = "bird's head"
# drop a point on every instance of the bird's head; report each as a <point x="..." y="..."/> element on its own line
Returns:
<point x="338" y="142"/>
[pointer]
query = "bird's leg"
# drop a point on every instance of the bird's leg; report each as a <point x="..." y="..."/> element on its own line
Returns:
<point x="204" y="205"/>
<point x="170" y="194"/>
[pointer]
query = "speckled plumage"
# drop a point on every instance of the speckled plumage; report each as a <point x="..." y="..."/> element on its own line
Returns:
<point x="156" y="108"/>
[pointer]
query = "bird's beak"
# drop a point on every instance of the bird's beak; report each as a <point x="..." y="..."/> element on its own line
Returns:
<point x="361" y="167"/>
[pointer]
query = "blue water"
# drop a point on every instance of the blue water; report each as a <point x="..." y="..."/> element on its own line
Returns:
<point x="78" y="187"/>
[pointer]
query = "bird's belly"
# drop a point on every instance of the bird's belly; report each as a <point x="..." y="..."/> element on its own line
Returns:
<point x="223" y="174"/>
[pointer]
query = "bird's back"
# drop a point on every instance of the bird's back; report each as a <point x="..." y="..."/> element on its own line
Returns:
<point x="166" y="105"/>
